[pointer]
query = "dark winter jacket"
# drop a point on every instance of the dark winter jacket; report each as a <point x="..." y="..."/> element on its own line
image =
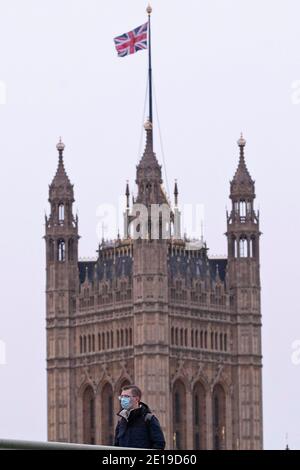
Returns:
<point x="138" y="431"/>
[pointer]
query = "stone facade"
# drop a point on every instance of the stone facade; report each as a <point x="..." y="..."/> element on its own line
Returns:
<point x="160" y="313"/>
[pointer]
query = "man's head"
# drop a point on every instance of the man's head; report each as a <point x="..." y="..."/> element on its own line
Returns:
<point x="130" y="397"/>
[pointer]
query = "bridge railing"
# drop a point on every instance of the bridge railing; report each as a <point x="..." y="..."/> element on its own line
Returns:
<point x="12" y="444"/>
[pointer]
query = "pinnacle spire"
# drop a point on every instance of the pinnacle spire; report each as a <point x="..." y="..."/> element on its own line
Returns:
<point x="127" y="194"/>
<point x="61" y="180"/>
<point x="176" y="193"/>
<point x="148" y="175"/>
<point x="149" y="156"/>
<point x="242" y="183"/>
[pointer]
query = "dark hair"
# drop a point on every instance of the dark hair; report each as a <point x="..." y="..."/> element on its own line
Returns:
<point x="136" y="391"/>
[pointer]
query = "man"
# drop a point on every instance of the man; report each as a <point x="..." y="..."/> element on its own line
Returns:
<point x="137" y="426"/>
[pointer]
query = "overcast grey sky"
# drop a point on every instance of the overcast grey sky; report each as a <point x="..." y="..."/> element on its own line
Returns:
<point x="219" y="67"/>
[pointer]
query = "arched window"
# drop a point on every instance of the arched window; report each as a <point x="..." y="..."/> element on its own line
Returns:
<point x="176" y="336"/>
<point x="196" y="338"/>
<point x="243" y="247"/>
<point x="93" y="343"/>
<point x="89" y="343"/>
<point x="192" y="338"/>
<point x="107" y="340"/>
<point x="181" y="336"/>
<point x="126" y="337"/>
<point x="99" y="342"/>
<point x="235" y="249"/>
<point x="185" y="337"/>
<point x="225" y="342"/>
<point x="84" y="344"/>
<point x="205" y="340"/>
<point x="179" y="415"/>
<point x="107" y="415"/>
<point x="253" y="247"/>
<point x="221" y="341"/>
<point x="61" y="213"/>
<point x="122" y="338"/>
<point x="61" y="250"/>
<point x="88" y="402"/>
<point x="111" y="339"/>
<point x="103" y="340"/>
<point x="219" y="417"/>
<point x="80" y="340"/>
<point x="201" y="339"/>
<point x="216" y="340"/>
<point x="199" y="414"/>
<point x="243" y="209"/>
<point x="249" y="208"/>
<point x="130" y="337"/>
<point x="211" y="340"/>
<point x="118" y="339"/>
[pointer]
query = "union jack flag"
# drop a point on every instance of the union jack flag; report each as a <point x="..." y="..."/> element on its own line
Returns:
<point x="134" y="41"/>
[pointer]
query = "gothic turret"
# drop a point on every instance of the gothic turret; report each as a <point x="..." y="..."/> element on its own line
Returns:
<point x="243" y="221"/>
<point x="244" y="288"/>
<point x="62" y="280"/>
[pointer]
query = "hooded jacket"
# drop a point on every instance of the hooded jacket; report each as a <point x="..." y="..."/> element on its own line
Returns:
<point x="135" y="430"/>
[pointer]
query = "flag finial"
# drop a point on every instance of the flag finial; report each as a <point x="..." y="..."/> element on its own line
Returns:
<point x="60" y="147"/>
<point x="149" y="9"/>
<point x="148" y="125"/>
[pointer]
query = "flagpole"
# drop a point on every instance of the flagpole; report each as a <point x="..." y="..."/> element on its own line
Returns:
<point x="149" y="11"/>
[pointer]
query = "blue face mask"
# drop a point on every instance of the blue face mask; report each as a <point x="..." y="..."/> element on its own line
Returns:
<point x="126" y="403"/>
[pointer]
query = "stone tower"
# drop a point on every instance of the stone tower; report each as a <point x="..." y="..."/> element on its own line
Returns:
<point x="150" y="291"/>
<point x="61" y="289"/>
<point x="244" y="287"/>
<point x="155" y="309"/>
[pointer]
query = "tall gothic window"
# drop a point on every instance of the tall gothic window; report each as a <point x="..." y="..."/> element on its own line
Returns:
<point x="176" y="336"/>
<point x="107" y="415"/>
<point x="199" y="415"/>
<point x="179" y="415"/>
<point x="112" y="339"/>
<point x="235" y="247"/>
<point x="61" y="213"/>
<point x="88" y="416"/>
<point x="242" y="208"/>
<point x="61" y="250"/>
<point x="219" y="417"/>
<point x="243" y="247"/>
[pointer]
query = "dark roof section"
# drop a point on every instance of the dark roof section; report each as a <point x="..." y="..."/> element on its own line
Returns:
<point x="122" y="266"/>
<point x="222" y="264"/>
<point x="181" y="264"/>
<point x="197" y="267"/>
